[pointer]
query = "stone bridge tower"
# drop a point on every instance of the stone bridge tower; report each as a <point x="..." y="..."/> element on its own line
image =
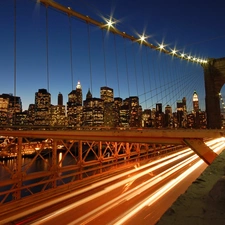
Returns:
<point x="214" y="73"/>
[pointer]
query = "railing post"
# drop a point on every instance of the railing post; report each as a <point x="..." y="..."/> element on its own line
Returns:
<point x="54" y="164"/>
<point x="128" y="150"/>
<point x="116" y="153"/>
<point x="100" y="155"/>
<point x="18" y="170"/>
<point x="80" y="159"/>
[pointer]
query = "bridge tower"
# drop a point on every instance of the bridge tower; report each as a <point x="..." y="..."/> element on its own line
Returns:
<point x="214" y="73"/>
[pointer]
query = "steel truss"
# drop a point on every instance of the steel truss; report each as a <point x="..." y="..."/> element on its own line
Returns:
<point x="63" y="164"/>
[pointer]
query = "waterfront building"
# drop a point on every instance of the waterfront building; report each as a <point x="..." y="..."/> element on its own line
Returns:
<point x="13" y="104"/>
<point x="31" y="114"/>
<point x="107" y="96"/>
<point x="42" y="108"/>
<point x="124" y="116"/>
<point x="195" y="102"/>
<point x="181" y="113"/>
<point x="4" y="104"/>
<point x="168" y="117"/>
<point x="190" y="120"/>
<point x="159" y="116"/>
<point x="146" y="118"/>
<point x="60" y="99"/>
<point x="116" y="109"/>
<point x="58" y="116"/>
<point x="74" y="107"/>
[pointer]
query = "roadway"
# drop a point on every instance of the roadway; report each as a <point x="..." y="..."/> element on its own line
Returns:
<point x="138" y="196"/>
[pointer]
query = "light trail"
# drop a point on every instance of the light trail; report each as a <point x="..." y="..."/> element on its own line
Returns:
<point x="217" y="144"/>
<point x="155" y="196"/>
<point x="163" y="190"/>
<point x="90" y="187"/>
<point x="131" y="193"/>
<point x="110" y="188"/>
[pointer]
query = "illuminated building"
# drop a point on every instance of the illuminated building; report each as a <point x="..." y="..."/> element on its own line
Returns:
<point x="13" y="104"/>
<point x="106" y="94"/>
<point x="31" y="114"/>
<point x="159" y="116"/>
<point x="195" y="102"/>
<point x="117" y="104"/>
<point x="74" y="107"/>
<point x="60" y="99"/>
<point x="42" y="107"/>
<point x="134" y="111"/>
<point x="92" y="111"/>
<point x="58" y="113"/>
<point x="181" y="113"/>
<point x="4" y="104"/>
<point x="146" y="118"/>
<point x="168" y="117"/>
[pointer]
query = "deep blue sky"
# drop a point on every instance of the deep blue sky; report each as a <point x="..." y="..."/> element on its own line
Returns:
<point x="194" y="27"/>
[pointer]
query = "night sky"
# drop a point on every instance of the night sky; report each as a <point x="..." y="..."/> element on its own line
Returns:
<point x="193" y="27"/>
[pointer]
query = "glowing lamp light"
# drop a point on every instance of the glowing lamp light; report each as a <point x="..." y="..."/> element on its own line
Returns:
<point x="182" y="55"/>
<point x="174" y="51"/>
<point x="189" y="57"/>
<point x="161" y="46"/>
<point x="142" y="38"/>
<point x="109" y="23"/>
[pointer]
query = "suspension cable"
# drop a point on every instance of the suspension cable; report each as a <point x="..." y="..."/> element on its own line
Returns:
<point x="47" y="61"/>
<point x="117" y="73"/>
<point x="125" y="50"/>
<point x="135" y="69"/>
<point x="71" y="52"/>
<point x="103" y="46"/>
<point x="149" y="74"/>
<point x="14" y="107"/>
<point x="143" y="78"/>
<point x="89" y="53"/>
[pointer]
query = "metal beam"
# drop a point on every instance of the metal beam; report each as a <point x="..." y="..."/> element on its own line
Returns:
<point x="201" y="149"/>
<point x="70" y="12"/>
<point x="163" y="136"/>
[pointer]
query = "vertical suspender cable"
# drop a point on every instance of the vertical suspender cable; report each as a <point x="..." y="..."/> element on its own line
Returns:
<point x="125" y="50"/>
<point x="71" y="52"/>
<point x="135" y="70"/>
<point x="117" y="73"/>
<point x="149" y="74"/>
<point x="89" y="53"/>
<point x="47" y="64"/>
<point x="14" y="54"/>
<point x="103" y="46"/>
<point x="143" y="78"/>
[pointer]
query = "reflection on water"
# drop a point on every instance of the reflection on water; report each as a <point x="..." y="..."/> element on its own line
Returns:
<point x="31" y="165"/>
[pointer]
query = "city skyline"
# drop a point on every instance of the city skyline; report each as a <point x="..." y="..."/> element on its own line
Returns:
<point x="64" y="100"/>
<point x="193" y="27"/>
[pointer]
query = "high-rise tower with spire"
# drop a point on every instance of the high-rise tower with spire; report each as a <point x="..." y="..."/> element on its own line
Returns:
<point x="195" y="102"/>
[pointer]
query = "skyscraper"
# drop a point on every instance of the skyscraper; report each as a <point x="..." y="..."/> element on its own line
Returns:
<point x="107" y="94"/>
<point x="60" y="99"/>
<point x="195" y="102"/>
<point x="74" y="106"/>
<point x="42" y="107"/>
